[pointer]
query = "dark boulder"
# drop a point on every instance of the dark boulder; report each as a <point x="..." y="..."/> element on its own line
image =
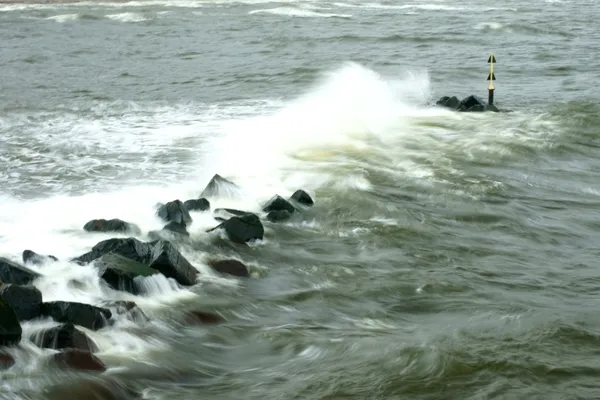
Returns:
<point x="278" y="203"/>
<point x="159" y="255"/>
<point x="129" y="310"/>
<point x="242" y="229"/>
<point x="64" y="336"/>
<point x="175" y="227"/>
<point x="302" y="197"/>
<point x="168" y="261"/>
<point x="6" y="361"/>
<point x="121" y="273"/>
<point x="11" y="272"/>
<point x="10" y="328"/>
<point x="471" y="103"/>
<point x="279" y="215"/>
<point x="230" y="267"/>
<point x="203" y="317"/>
<point x="85" y="315"/>
<point x="174" y="211"/>
<point x="111" y="225"/>
<point x="31" y="257"/>
<point x="449" y="102"/>
<point x="221" y="187"/>
<point x="197" y="204"/>
<point x="78" y="359"/>
<point x="25" y="300"/>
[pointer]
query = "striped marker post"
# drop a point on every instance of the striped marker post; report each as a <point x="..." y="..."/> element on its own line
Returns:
<point x="491" y="78"/>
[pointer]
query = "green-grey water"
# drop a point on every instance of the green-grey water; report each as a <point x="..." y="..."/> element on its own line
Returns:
<point x="448" y="255"/>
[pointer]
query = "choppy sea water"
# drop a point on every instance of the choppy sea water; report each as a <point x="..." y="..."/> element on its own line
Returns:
<point x="448" y="255"/>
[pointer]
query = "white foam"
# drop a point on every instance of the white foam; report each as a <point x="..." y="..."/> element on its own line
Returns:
<point x="127" y="17"/>
<point x="64" y="17"/>
<point x="297" y="12"/>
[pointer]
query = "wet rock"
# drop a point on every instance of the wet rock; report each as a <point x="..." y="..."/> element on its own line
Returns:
<point x="25" y="300"/>
<point x="92" y="389"/>
<point x="78" y="359"/>
<point x="31" y="257"/>
<point x="279" y="216"/>
<point x="175" y="227"/>
<point x="159" y="255"/>
<point x="302" y="197"/>
<point x="10" y="328"/>
<point x="221" y="187"/>
<point x="449" y="102"/>
<point x="174" y="211"/>
<point x="64" y="336"/>
<point x="11" y="272"/>
<point x="471" y="103"/>
<point x="131" y="311"/>
<point x="230" y="267"/>
<point x="241" y="229"/>
<point x="6" y="361"/>
<point x="203" y="317"/>
<point x="121" y="273"/>
<point x="85" y="315"/>
<point x="111" y="225"/>
<point x="169" y="262"/>
<point x="197" y="204"/>
<point x="278" y="203"/>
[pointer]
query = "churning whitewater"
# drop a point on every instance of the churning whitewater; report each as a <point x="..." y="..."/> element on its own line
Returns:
<point x="447" y="254"/>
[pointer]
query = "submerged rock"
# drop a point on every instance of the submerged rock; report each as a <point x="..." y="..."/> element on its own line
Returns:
<point x="6" y="361"/>
<point x="64" y="336"/>
<point x="78" y="359"/>
<point x="203" y="317"/>
<point x="31" y="257"/>
<point x="92" y="389"/>
<point x="230" y="267"/>
<point x="25" y="300"/>
<point x="278" y="203"/>
<point x="88" y="316"/>
<point x="302" y="197"/>
<point x="200" y="204"/>
<point x="174" y="211"/>
<point x="220" y="187"/>
<point x="10" y="328"/>
<point x="111" y="225"/>
<point x="11" y="272"/>
<point x="129" y="309"/>
<point x="175" y="227"/>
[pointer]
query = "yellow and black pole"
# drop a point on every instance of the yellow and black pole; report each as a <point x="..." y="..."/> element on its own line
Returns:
<point x="491" y="78"/>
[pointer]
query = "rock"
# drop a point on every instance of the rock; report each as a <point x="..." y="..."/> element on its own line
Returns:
<point x="221" y="187"/>
<point x="304" y="198"/>
<point x="242" y="229"/>
<point x="85" y="315"/>
<point x="278" y="203"/>
<point x="91" y="389"/>
<point x="120" y="272"/>
<point x="25" y="300"/>
<point x="279" y="216"/>
<point x="111" y="225"/>
<point x="11" y="272"/>
<point x="203" y="317"/>
<point x="6" y="361"/>
<point x="78" y="359"/>
<point x="450" y="102"/>
<point x="230" y="267"/>
<point x="174" y="211"/>
<point x="176" y="227"/>
<point x="64" y="336"/>
<point x="31" y="257"/>
<point x="10" y="328"/>
<point x="159" y="255"/>
<point x="169" y="262"/>
<point x="197" y="204"/>
<point x="130" y="310"/>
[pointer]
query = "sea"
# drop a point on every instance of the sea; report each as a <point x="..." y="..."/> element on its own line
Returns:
<point x="448" y="255"/>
